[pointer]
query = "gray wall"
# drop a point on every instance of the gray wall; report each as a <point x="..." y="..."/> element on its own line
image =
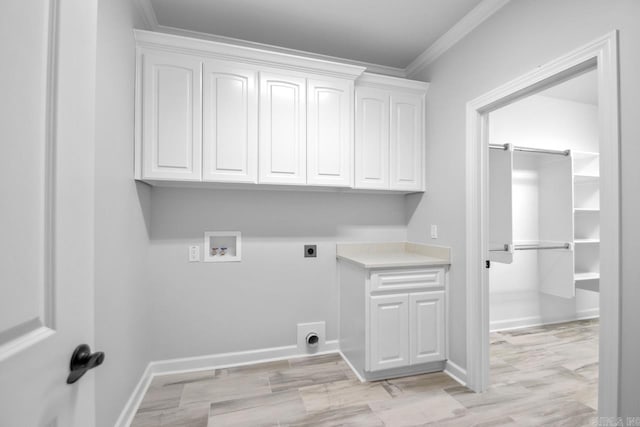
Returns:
<point x="519" y="37"/>
<point x="121" y="236"/>
<point x="207" y="308"/>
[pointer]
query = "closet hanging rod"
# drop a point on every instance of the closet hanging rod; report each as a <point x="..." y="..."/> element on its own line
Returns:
<point x="529" y="149"/>
<point x="538" y="247"/>
<point x="532" y="247"/>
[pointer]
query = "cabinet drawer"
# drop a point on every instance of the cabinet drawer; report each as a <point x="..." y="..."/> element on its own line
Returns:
<point x="403" y="280"/>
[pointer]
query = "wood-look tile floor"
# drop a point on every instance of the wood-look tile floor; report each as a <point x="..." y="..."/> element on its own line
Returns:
<point x="541" y="376"/>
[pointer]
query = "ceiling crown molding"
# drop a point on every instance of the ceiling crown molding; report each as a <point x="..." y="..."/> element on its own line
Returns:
<point x="374" y="68"/>
<point x="468" y="23"/>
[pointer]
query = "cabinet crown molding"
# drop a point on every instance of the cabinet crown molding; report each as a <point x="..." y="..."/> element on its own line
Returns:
<point x="391" y="83"/>
<point x="243" y="54"/>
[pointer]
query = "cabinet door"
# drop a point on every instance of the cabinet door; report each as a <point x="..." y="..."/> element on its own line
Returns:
<point x="406" y="142"/>
<point x="329" y="132"/>
<point x="426" y="327"/>
<point x="372" y="139"/>
<point x="282" y="152"/>
<point x="389" y="331"/>
<point x="172" y="117"/>
<point x="230" y="140"/>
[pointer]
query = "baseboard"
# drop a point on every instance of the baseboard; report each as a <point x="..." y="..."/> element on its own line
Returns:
<point x="456" y="372"/>
<point x="213" y="361"/>
<point x="355" y="371"/>
<point x="406" y="371"/>
<point x="131" y="407"/>
<point x="526" y="322"/>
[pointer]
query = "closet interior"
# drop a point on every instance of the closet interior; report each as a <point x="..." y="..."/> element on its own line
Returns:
<point x="544" y="194"/>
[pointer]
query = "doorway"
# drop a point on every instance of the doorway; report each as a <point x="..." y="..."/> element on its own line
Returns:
<point x="600" y="55"/>
<point x="544" y="245"/>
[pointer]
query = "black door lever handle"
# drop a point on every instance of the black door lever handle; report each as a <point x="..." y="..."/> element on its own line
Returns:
<point x="82" y="360"/>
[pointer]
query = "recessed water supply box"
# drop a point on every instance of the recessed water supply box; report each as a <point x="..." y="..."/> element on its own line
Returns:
<point x="222" y="246"/>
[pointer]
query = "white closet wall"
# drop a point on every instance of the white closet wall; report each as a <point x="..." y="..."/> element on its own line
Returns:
<point x="539" y="122"/>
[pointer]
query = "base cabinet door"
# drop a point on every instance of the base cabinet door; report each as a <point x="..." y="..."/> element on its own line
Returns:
<point x="172" y="117"/>
<point x="230" y="106"/>
<point x="389" y="331"/>
<point x="426" y="327"/>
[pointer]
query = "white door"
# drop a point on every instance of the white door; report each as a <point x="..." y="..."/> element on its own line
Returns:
<point x="406" y="142"/>
<point x="171" y="116"/>
<point x="230" y="115"/>
<point x="329" y="132"/>
<point x="426" y="327"/>
<point x="389" y="331"/>
<point x="47" y="112"/>
<point x="283" y="132"/>
<point x="372" y="139"/>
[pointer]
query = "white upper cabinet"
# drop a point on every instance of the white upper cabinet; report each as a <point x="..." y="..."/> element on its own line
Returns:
<point x="372" y="139"/>
<point x="214" y="112"/>
<point x="172" y="117"/>
<point x="389" y="133"/>
<point x="406" y="142"/>
<point x="230" y="116"/>
<point x="283" y="145"/>
<point x="329" y="132"/>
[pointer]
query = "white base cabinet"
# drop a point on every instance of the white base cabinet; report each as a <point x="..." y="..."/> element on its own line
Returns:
<point x="393" y="320"/>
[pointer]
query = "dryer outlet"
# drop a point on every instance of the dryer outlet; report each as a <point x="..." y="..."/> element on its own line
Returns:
<point x="311" y="337"/>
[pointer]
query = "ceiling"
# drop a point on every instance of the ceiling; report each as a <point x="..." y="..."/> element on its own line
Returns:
<point x="384" y="32"/>
<point x="583" y="88"/>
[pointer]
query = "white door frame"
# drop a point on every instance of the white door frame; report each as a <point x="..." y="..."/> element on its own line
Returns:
<point x="603" y="54"/>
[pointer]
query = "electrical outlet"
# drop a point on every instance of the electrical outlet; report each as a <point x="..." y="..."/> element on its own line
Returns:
<point x="434" y="231"/>
<point x="194" y="253"/>
<point x="310" y="251"/>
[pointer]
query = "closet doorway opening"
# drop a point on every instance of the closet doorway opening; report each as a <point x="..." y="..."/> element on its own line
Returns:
<point x="543" y="212"/>
<point x="544" y="245"/>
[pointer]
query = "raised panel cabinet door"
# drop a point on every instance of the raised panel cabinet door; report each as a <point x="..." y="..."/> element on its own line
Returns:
<point x="283" y="133"/>
<point x="172" y="117"/>
<point x="329" y="132"/>
<point x="230" y="115"/>
<point x="372" y="139"/>
<point x="426" y="324"/>
<point x="406" y="142"/>
<point x="389" y="331"/>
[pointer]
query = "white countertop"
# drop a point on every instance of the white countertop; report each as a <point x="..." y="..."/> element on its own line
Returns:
<point x="390" y="255"/>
